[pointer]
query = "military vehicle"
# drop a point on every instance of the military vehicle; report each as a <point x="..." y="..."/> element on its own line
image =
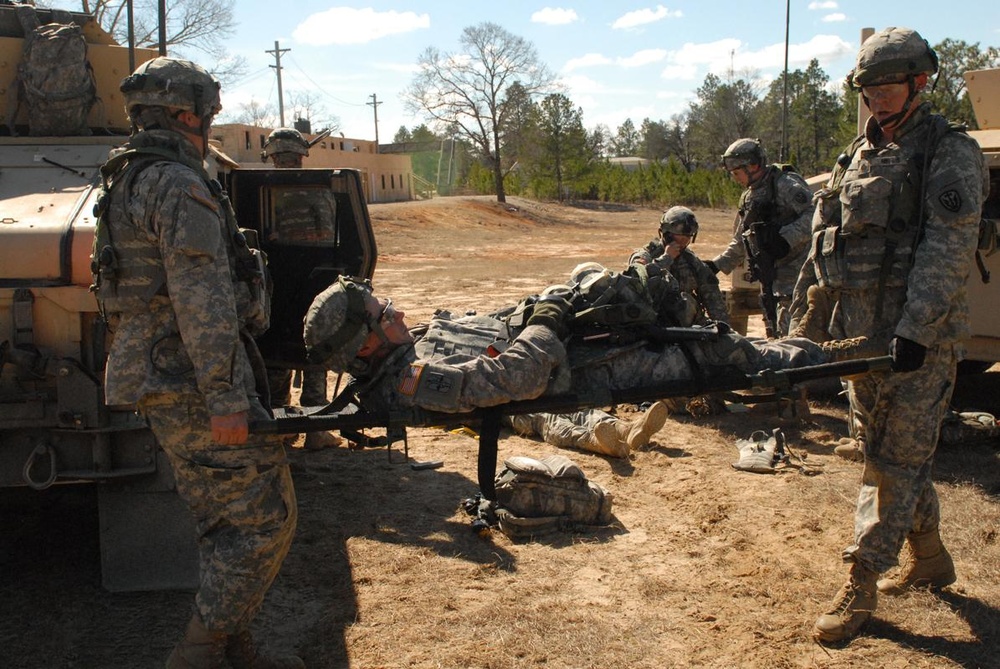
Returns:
<point x="55" y="428"/>
<point x="983" y="348"/>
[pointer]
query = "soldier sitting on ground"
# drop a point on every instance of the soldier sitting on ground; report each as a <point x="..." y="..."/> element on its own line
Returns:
<point x="671" y="251"/>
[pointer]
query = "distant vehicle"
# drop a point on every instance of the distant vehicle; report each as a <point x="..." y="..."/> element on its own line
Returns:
<point x="55" y="428"/>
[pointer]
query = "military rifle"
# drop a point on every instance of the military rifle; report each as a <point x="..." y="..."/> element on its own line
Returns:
<point x="319" y="138"/>
<point x="761" y="264"/>
<point x="350" y="415"/>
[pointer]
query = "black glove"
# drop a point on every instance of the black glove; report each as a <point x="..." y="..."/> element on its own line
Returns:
<point x="771" y="242"/>
<point x="907" y="355"/>
<point x="710" y="264"/>
<point x="553" y="312"/>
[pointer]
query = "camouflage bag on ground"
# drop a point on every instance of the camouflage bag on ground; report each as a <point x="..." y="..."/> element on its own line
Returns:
<point x="537" y="497"/>
<point x="54" y="78"/>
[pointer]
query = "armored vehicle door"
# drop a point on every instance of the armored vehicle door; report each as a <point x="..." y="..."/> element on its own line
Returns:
<point x="313" y="224"/>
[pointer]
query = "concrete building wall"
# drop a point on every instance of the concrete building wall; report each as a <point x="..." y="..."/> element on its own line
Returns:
<point x="387" y="177"/>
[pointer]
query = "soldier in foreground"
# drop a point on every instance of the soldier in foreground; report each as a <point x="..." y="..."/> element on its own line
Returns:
<point x="671" y="251"/>
<point x="772" y="227"/>
<point x="896" y="229"/>
<point x="286" y="148"/>
<point x="179" y="286"/>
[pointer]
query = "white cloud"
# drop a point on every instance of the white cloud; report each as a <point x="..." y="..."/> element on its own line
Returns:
<point x="346" y="25"/>
<point x="691" y="60"/>
<point x="824" y="5"/>
<point x="641" y="17"/>
<point x="587" y="60"/>
<point x="585" y="85"/>
<point x="554" y="16"/>
<point x="644" y="57"/>
<point x="686" y="62"/>
<point x="836" y="17"/>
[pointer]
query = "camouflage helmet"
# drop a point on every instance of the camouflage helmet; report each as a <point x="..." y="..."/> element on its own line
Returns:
<point x="744" y="151"/>
<point x="337" y="324"/>
<point x="679" y="221"/>
<point x="892" y="53"/>
<point x="285" y="140"/>
<point x="171" y="82"/>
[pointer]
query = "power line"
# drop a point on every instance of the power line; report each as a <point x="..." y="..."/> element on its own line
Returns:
<point x="320" y="89"/>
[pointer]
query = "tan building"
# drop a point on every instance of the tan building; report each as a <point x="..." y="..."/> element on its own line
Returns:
<point x="386" y="177"/>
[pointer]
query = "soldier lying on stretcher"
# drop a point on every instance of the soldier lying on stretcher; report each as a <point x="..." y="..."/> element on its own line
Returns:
<point x="603" y="330"/>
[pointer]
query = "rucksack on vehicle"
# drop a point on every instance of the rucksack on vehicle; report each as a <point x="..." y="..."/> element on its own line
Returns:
<point x="54" y="78"/>
<point x="537" y="497"/>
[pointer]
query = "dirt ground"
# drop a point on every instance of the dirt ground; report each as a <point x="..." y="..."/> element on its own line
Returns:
<point x="704" y="566"/>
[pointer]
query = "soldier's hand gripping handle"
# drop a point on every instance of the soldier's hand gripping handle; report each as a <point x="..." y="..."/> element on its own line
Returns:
<point x="231" y="430"/>
<point x="907" y="355"/>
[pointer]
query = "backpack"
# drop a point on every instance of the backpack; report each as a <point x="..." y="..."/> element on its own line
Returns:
<point x="537" y="497"/>
<point x="54" y="78"/>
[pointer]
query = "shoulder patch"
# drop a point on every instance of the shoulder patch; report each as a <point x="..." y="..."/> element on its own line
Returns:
<point x="801" y="197"/>
<point x="410" y="380"/>
<point x="951" y="200"/>
<point x="199" y="193"/>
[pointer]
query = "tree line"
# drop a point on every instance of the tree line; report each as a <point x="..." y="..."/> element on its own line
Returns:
<point x="521" y="135"/>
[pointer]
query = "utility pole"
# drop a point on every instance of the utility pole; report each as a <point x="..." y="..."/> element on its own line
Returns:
<point x="784" y="95"/>
<point x="277" y="68"/>
<point x="375" y="103"/>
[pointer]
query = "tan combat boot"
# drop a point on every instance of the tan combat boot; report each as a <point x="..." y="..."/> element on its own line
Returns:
<point x="606" y="441"/>
<point x="927" y="565"/>
<point x="201" y="648"/>
<point x="242" y="654"/>
<point x="637" y="433"/>
<point x="852" y="607"/>
<point x="317" y="441"/>
<point x="851" y="449"/>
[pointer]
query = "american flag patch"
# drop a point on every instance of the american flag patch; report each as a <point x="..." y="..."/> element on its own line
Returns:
<point x="411" y="379"/>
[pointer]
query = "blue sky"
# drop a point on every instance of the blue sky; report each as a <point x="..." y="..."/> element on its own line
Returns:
<point x="617" y="59"/>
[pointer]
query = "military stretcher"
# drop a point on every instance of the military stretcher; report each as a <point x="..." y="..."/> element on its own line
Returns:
<point x="346" y="414"/>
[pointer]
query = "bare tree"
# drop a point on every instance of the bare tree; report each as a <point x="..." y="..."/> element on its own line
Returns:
<point x="307" y="105"/>
<point x="251" y="113"/>
<point x="199" y="25"/>
<point x="468" y="89"/>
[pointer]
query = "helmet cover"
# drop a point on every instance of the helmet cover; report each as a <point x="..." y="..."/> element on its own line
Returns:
<point x="892" y="54"/>
<point x="743" y="152"/>
<point x="172" y="82"/>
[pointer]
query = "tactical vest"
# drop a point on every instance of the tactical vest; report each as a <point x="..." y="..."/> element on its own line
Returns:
<point x="128" y="270"/>
<point x="872" y="216"/>
<point x="767" y="205"/>
<point x="468" y="336"/>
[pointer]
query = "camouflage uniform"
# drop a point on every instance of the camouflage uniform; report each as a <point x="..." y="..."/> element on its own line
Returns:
<point x="790" y="200"/>
<point x="182" y="359"/>
<point x="693" y="276"/>
<point x="924" y="300"/>
<point x="572" y="430"/>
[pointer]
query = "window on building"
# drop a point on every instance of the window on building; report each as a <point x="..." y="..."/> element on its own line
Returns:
<point x="383" y="182"/>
